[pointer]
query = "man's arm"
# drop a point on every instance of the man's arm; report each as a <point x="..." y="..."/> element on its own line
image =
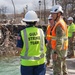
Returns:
<point x="59" y="34"/>
<point x="19" y="44"/>
<point x="73" y="36"/>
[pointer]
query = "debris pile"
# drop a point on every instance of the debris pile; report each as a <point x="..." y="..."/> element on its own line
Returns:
<point x="8" y="37"/>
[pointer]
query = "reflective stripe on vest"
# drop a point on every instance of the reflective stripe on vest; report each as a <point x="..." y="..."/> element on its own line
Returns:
<point x="49" y="32"/>
<point x="63" y="40"/>
<point x="41" y="47"/>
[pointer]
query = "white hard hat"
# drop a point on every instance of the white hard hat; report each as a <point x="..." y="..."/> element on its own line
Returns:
<point x="30" y="16"/>
<point x="49" y="17"/>
<point x="70" y="18"/>
<point x="56" y="9"/>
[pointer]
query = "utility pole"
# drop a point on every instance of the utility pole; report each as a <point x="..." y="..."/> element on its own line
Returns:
<point x="44" y="11"/>
<point x="40" y="10"/>
<point x="14" y="8"/>
<point x="53" y="2"/>
<point x="14" y="15"/>
<point x="26" y="8"/>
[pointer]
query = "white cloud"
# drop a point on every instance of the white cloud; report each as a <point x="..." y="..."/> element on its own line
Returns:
<point x="19" y="4"/>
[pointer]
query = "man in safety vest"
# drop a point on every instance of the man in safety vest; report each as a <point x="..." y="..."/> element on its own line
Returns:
<point x="31" y="46"/>
<point x="71" y="36"/>
<point x="59" y="41"/>
<point x="48" y="37"/>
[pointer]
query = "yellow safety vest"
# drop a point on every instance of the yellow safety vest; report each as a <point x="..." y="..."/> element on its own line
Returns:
<point x="71" y="29"/>
<point x="33" y="51"/>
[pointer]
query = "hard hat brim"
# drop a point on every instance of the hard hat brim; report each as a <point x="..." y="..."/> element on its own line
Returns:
<point x="52" y="12"/>
<point x="30" y="20"/>
<point x="70" y="18"/>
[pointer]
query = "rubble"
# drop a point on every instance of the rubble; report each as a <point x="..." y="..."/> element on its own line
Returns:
<point x="8" y="37"/>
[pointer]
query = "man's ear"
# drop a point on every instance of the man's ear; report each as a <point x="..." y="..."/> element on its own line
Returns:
<point x="59" y="14"/>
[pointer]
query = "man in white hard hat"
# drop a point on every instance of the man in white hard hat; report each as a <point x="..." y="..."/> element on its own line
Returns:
<point x="71" y="37"/>
<point x="59" y="41"/>
<point x="31" y="46"/>
<point x="70" y="19"/>
<point x="48" y="38"/>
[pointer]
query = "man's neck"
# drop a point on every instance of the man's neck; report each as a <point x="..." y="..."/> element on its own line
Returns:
<point x="71" y="23"/>
<point x="58" y="19"/>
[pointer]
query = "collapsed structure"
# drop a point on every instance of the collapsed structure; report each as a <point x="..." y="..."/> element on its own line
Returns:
<point x="8" y="37"/>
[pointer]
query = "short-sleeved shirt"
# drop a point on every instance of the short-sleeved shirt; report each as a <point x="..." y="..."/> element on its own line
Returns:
<point x="19" y="41"/>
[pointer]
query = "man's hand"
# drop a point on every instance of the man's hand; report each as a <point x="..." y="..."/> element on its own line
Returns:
<point x="54" y="56"/>
<point x="18" y="51"/>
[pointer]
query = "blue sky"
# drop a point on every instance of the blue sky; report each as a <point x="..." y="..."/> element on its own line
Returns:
<point x="20" y="4"/>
